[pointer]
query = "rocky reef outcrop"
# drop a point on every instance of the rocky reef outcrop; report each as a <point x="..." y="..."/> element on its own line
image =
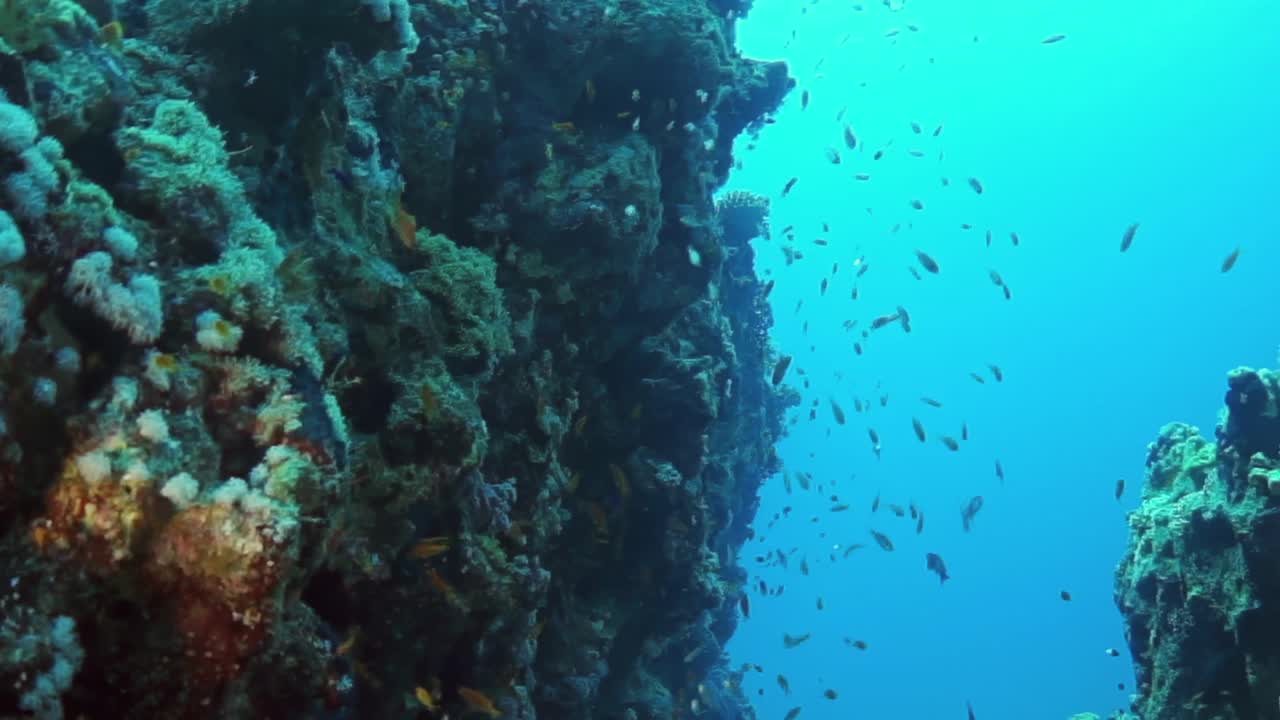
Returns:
<point x="377" y="358"/>
<point x="1200" y="585"/>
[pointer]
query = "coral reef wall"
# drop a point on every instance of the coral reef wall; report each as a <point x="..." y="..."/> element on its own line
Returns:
<point x="377" y="358"/>
<point x="1200" y="585"/>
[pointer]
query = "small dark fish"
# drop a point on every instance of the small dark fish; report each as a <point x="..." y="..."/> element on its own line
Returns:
<point x="1230" y="262"/>
<point x="964" y="431"/>
<point x="875" y="436"/>
<point x="822" y="289"/>
<point x="857" y="348"/>
<point x="897" y="510"/>
<point x="837" y="412"/>
<point x="790" y="641"/>
<point x="856" y="644"/>
<point x="780" y="370"/>
<point x="919" y="428"/>
<point x="790" y="184"/>
<point x="862" y="269"/>
<point x="966" y="226"/>
<point x="917" y="205"/>
<point x="999" y="471"/>
<point x="915" y="511"/>
<point x="931" y="402"/>
<point x="850" y="140"/>
<point x="978" y="378"/>
<point x="970" y="511"/>
<point x="793" y="713"/>
<point x="1113" y="652"/>
<point x="804" y="567"/>
<point x="934" y="563"/>
<point x="1119" y="488"/>
<point x="976" y="184"/>
<point x="830" y="694"/>
<point x="1127" y="240"/>
<point x="849" y="550"/>
<point x="344" y="178"/>
<point x="883" y="320"/>
<point x="937" y="131"/>
<point x="804" y="99"/>
<point x="862" y="176"/>
<point x="988" y="238"/>
<point x="875" y="504"/>
<point x="1014" y="237"/>
<point x="744" y="603"/>
<point x="1066" y="596"/>
<point x="884" y="401"/>
<point x="915" y="128"/>
<point x="883" y="541"/>
<point x="768" y="288"/>
<point x="782" y="683"/>
<point x="920" y="523"/>
<point x="996" y="373"/>
<point x="904" y="318"/>
<point x="969" y="707"/>
<point x="833" y="156"/>
<point x="927" y="262"/>
<point x="788" y="228"/>
<point x="1053" y="39"/>
<point x="878" y="154"/>
<point x="840" y="508"/>
<point x="996" y="278"/>
<point x="1008" y="294"/>
<point x="951" y="443"/>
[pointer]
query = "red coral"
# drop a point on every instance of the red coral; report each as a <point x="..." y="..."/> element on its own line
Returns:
<point x="222" y="569"/>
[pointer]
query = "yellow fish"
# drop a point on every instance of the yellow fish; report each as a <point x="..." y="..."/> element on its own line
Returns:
<point x="424" y="696"/>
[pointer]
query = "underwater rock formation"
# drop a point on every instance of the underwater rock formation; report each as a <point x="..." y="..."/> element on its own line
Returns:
<point x="1199" y="587"/>
<point x="368" y="358"/>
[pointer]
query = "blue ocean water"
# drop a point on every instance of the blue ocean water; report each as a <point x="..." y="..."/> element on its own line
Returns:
<point x="1162" y="114"/>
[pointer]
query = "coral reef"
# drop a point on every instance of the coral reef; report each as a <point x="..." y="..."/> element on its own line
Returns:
<point x="1198" y="587"/>
<point x="374" y="358"/>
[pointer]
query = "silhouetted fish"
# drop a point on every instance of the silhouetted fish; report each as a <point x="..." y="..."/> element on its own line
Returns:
<point x="780" y="370"/>
<point x="927" y="262"/>
<point x="934" y="563"/>
<point x="970" y="511"/>
<point x="1230" y="262"/>
<point x="1127" y="240"/>
<point x="882" y="540"/>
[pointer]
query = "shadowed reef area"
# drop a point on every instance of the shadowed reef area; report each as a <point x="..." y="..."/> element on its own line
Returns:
<point x="1200" y="585"/>
<point x="365" y="357"/>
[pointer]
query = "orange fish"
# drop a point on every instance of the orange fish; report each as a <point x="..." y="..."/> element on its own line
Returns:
<point x="479" y="702"/>
<point x="430" y="547"/>
<point x="439" y="583"/>
<point x="349" y="643"/>
<point x="406" y="227"/>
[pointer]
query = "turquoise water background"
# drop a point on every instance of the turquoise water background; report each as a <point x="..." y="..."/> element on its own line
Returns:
<point x="1165" y="114"/>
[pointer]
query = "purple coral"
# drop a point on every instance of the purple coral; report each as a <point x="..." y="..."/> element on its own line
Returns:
<point x="489" y="504"/>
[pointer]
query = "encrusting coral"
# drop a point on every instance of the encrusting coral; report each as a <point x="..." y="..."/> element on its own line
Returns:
<point x="361" y="361"/>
